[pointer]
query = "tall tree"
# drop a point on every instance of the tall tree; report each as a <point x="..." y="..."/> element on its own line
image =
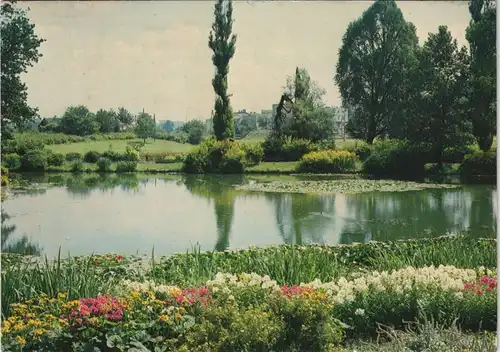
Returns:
<point x="78" y="120"/>
<point x="439" y="118"/>
<point x="194" y="130"/>
<point x="20" y="46"/>
<point x="481" y="35"/>
<point x="125" y="117"/>
<point x="107" y="120"/>
<point x="145" y="126"/>
<point x="373" y="66"/>
<point x="223" y="44"/>
<point x="168" y="126"/>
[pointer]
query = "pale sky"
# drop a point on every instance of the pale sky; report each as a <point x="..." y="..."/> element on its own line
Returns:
<point x="154" y="54"/>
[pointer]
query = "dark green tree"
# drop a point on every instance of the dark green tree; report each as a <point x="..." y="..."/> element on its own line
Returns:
<point x="145" y="126"/>
<point x="194" y="130"/>
<point x="20" y="46"/>
<point x="168" y="126"/>
<point x="481" y="35"/>
<point x="223" y="44"/>
<point x="125" y="117"/>
<point x="373" y="69"/>
<point x="439" y="118"/>
<point x="78" y="120"/>
<point x="107" y="120"/>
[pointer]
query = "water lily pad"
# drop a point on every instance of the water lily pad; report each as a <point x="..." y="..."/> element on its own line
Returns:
<point x="340" y="186"/>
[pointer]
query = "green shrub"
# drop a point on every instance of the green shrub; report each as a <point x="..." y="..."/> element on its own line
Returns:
<point x="362" y="149"/>
<point x="180" y="137"/>
<point x="34" y="160"/>
<point x="104" y="165"/>
<point x="131" y="155"/>
<point x="112" y="155"/>
<point x="253" y="153"/>
<point x="163" y="157"/>
<point x="328" y="161"/>
<point x="479" y="164"/>
<point x="4" y="176"/>
<point x="126" y="166"/>
<point x="55" y="159"/>
<point x="77" y="166"/>
<point x="395" y="159"/>
<point x="287" y="150"/>
<point x="12" y="161"/>
<point x="91" y="156"/>
<point x="73" y="156"/>
<point x="213" y="156"/>
<point x="26" y="145"/>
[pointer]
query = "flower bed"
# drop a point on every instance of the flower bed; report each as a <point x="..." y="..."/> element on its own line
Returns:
<point x="250" y="312"/>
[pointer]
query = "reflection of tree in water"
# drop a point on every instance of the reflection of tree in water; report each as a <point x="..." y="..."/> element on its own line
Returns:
<point x="482" y="220"/>
<point x="220" y="190"/>
<point x="302" y="218"/>
<point x="19" y="246"/>
<point x="389" y="216"/>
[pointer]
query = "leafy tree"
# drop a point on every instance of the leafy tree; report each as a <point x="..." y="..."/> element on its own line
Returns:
<point x="481" y="35"/>
<point x="125" y="117"/>
<point x="263" y="121"/>
<point x="145" y="126"/>
<point x="244" y="126"/>
<point x="194" y="130"/>
<point x="373" y="69"/>
<point x="168" y="126"/>
<point x="223" y="44"/>
<point x="108" y="121"/>
<point x="78" y="120"/>
<point x="20" y="47"/>
<point x="439" y="118"/>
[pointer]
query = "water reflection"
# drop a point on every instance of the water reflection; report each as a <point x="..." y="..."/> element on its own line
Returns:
<point x="124" y="213"/>
<point x="20" y="245"/>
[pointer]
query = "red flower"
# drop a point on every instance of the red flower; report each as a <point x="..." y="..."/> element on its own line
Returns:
<point x="119" y="258"/>
<point x="479" y="292"/>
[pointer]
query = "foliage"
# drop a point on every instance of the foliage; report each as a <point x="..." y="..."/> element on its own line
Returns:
<point x="34" y="160"/>
<point x="328" y="161"/>
<point x="12" y="161"/>
<point x="395" y="159"/>
<point x="19" y="45"/>
<point x="104" y="165"/>
<point x="55" y="159"/>
<point x="77" y="166"/>
<point x="244" y="125"/>
<point x="373" y="70"/>
<point x="126" y="166"/>
<point x="125" y="117"/>
<point x="223" y="44"/>
<point x="78" y="120"/>
<point x="177" y="137"/>
<point x="439" y="102"/>
<point x="194" y="130"/>
<point x="107" y="120"/>
<point x="362" y="149"/>
<point x="253" y="153"/>
<point x="91" y="157"/>
<point x="168" y="126"/>
<point x="145" y="127"/>
<point x="286" y="149"/>
<point x="213" y="156"/>
<point x="479" y="164"/>
<point x="481" y="35"/>
<point x="73" y="156"/>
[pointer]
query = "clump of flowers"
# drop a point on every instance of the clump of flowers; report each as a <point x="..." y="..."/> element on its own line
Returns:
<point x="194" y="295"/>
<point x="111" y="308"/>
<point x="149" y="285"/>
<point x="485" y="284"/>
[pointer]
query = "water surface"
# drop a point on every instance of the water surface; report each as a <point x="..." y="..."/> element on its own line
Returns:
<point x="134" y="213"/>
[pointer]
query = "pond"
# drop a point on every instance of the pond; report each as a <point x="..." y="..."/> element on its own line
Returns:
<point x="131" y="214"/>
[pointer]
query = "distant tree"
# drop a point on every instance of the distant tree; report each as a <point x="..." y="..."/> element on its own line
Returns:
<point x="145" y="127"/>
<point x="78" y="120"/>
<point x="19" y="45"/>
<point x="223" y="44"/>
<point x="244" y="126"/>
<point x="125" y="117"/>
<point x="107" y="120"/>
<point x="375" y="59"/>
<point x="169" y="126"/>
<point x="194" y="130"/>
<point x="263" y="122"/>
<point x="42" y="124"/>
<point x="481" y="35"/>
<point x="439" y="118"/>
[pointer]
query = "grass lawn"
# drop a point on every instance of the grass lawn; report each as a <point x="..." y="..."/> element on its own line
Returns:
<point x="158" y="145"/>
<point x="274" y="167"/>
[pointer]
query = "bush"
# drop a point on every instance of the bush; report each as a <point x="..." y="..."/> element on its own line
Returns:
<point x="180" y="137"/>
<point x="479" y="164"/>
<point x="131" y="155"/>
<point x="163" y="157"/>
<point x="213" y="156"/>
<point x="328" y="161"/>
<point x="55" y="159"/>
<point x="104" y="164"/>
<point x="126" y="166"/>
<point x="287" y="150"/>
<point x="34" y="160"/>
<point x="362" y="149"/>
<point x="77" y="166"/>
<point x="5" y="176"/>
<point x="12" y="161"/>
<point x="395" y="159"/>
<point x="112" y="155"/>
<point x="91" y="156"/>
<point x="73" y="156"/>
<point x="25" y="145"/>
<point x="253" y="153"/>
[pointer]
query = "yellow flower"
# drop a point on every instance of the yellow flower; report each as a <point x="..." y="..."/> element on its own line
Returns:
<point x="175" y="291"/>
<point x="35" y="322"/>
<point x="164" y="318"/>
<point x="20" y="340"/>
<point x="94" y="321"/>
<point x="62" y="295"/>
<point x="30" y="315"/>
<point x="63" y="322"/>
<point x="6" y="326"/>
<point x="135" y="294"/>
<point x="18" y="327"/>
<point x="49" y="316"/>
<point x="177" y="316"/>
<point x="182" y="310"/>
<point x="12" y="319"/>
<point x="39" y="332"/>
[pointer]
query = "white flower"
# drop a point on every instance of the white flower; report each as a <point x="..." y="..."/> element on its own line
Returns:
<point x="360" y="312"/>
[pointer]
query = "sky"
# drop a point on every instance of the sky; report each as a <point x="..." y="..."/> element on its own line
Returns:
<point x="154" y="55"/>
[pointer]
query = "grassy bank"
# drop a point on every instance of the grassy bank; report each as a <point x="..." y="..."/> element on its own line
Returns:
<point x="253" y="299"/>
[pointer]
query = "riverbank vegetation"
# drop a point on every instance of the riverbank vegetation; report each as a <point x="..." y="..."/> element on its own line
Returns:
<point x="213" y="300"/>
